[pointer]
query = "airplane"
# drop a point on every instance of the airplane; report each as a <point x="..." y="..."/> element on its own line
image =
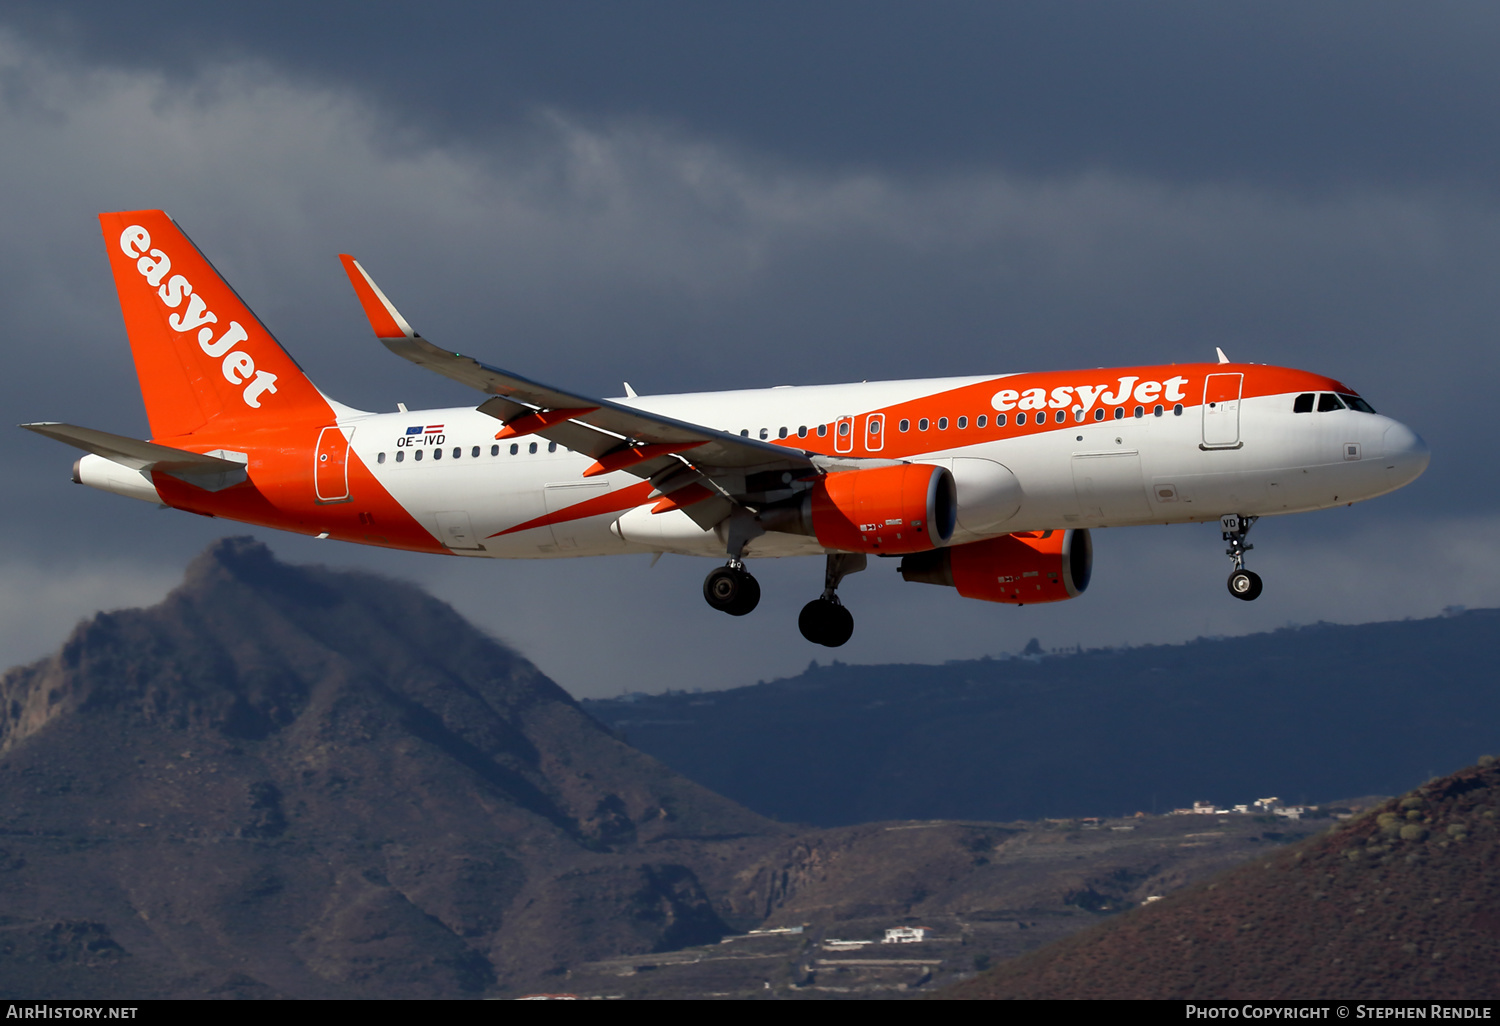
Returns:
<point x="987" y="484"/>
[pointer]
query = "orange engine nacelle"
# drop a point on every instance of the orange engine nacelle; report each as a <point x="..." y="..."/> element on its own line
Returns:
<point x="907" y="508"/>
<point x="1034" y="566"/>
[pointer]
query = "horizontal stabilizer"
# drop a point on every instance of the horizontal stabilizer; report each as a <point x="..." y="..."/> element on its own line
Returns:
<point x="212" y="473"/>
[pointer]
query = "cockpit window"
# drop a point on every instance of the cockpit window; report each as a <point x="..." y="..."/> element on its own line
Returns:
<point x="1354" y="402"/>
<point x="1304" y="403"/>
<point x="1328" y="402"/>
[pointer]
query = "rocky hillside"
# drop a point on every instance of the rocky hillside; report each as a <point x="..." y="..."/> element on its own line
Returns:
<point x="1403" y="902"/>
<point x="297" y="782"/>
<point x="290" y="781"/>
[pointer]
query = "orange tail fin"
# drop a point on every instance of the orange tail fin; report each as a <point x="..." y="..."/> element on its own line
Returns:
<point x="200" y="354"/>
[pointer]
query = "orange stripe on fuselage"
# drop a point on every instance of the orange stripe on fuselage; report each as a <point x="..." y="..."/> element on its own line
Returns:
<point x="280" y="492"/>
<point x="610" y="502"/>
<point x="973" y="401"/>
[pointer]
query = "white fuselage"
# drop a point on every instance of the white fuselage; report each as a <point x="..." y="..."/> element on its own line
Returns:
<point x="1151" y="469"/>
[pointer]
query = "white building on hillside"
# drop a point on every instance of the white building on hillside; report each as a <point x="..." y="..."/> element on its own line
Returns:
<point x="906" y="935"/>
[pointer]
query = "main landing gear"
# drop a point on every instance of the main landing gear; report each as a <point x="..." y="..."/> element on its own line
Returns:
<point x="730" y="589"/>
<point x="1243" y="584"/>
<point x="824" y="620"/>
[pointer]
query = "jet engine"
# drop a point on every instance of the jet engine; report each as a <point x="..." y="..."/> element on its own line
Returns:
<point x="907" y="508"/>
<point x="1032" y="566"/>
<point x="910" y="507"/>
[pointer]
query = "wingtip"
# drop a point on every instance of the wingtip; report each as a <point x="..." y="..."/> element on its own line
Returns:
<point x="385" y="320"/>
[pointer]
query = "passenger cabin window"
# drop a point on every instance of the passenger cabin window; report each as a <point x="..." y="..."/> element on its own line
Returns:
<point x="551" y="446"/>
<point x="1119" y="413"/>
<point x="982" y="421"/>
<point x="1177" y="410"/>
<point x="1061" y="416"/>
<point x="531" y="447"/>
<point x="802" y="431"/>
<point x="437" y="454"/>
<point x="765" y="433"/>
<point x="1303" y="403"/>
<point x="781" y="433"/>
<point x="1140" y="411"/>
<point x="380" y="458"/>
<point x="400" y="455"/>
<point x="1328" y="402"/>
<point x="922" y="424"/>
<point x="1020" y="419"/>
<point x="1354" y="402"/>
<point x="417" y="455"/>
<point x="494" y="450"/>
<point x="844" y="429"/>
<point x="515" y="447"/>
<point x="822" y="430"/>
<point x="1099" y="413"/>
<point x="744" y="432"/>
<point x="1156" y="411"/>
<point x="905" y="425"/>
<point x="963" y="422"/>
<point x="942" y="423"/>
<point x="474" y="452"/>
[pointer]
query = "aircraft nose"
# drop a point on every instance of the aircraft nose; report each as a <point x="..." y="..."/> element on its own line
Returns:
<point x="1406" y="455"/>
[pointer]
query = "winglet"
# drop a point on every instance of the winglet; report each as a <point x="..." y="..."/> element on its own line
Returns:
<point x="384" y="317"/>
<point x="1222" y="357"/>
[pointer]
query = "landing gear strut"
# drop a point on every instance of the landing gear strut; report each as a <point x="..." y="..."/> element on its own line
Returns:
<point x="730" y="589"/>
<point x="1243" y="584"/>
<point x="824" y="620"/>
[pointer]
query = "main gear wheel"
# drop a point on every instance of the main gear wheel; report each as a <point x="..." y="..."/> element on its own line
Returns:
<point x="731" y="589"/>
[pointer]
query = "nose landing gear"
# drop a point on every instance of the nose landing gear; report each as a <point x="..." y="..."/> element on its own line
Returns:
<point x="1243" y="584"/>
<point x="824" y="620"/>
<point x="730" y="589"/>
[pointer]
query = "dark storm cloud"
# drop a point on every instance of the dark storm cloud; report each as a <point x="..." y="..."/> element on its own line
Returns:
<point x="690" y="202"/>
<point x="1292" y="94"/>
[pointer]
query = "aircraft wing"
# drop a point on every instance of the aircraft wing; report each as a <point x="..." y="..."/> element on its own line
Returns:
<point x="672" y="454"/>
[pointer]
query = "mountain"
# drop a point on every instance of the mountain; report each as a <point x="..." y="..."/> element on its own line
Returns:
<point x="1401" y="903"/>
<point x="297" y="782"/>
<point x="1308" y="714"/>
<point x="292" y="781"/>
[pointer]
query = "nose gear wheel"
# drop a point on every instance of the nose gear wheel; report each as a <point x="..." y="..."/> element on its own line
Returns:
<point x="1243" y="584"/>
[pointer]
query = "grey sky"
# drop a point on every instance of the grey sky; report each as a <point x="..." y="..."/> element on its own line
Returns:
<point x="695" y="198"/>
<point x="1287" y="92"/>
